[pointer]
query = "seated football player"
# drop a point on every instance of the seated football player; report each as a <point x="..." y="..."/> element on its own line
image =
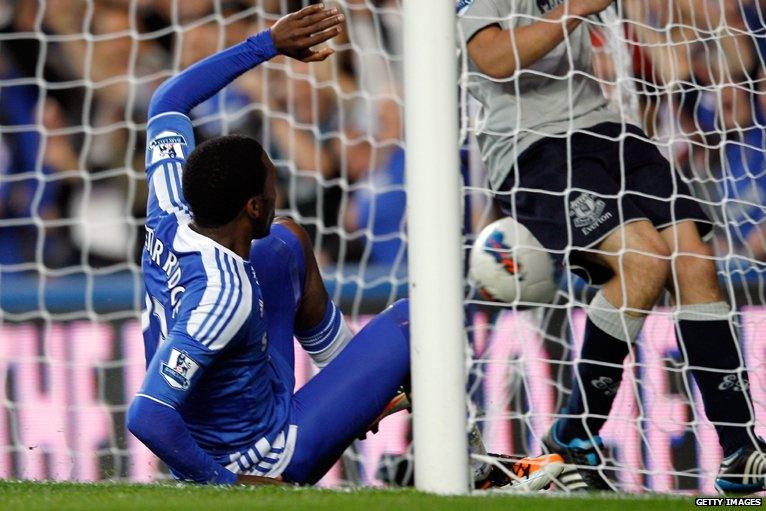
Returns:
<point x="227" y="291"/>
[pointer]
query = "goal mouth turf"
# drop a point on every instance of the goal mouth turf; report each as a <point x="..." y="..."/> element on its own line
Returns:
<point x="33" y="496"/>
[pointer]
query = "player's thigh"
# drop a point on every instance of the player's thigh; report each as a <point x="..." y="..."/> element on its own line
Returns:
<point x="339" y="404"/>
<point x="569" y="201"/>
<point x="694" y="276"/>
<point x="279" y="266"/>
<point x="637" y="248"/>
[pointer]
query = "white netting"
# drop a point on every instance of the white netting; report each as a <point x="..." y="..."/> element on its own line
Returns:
<point x="690" y="73"/>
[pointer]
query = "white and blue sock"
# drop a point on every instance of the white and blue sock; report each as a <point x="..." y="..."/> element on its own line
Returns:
<point x="327" y="339"/>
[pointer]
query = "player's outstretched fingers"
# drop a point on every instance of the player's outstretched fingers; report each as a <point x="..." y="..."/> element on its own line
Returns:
<point x="318" y="56"/>
<point x="322" y="25"/>
<point x="310" y="21"/>
<point x="322" y="36"/>
<point x="293" y="39"/>
<point x="307" y="11"/>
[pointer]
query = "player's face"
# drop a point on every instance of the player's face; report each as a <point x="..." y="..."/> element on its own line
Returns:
<point x="267" y="200"/>
<point x="270" y="190"/>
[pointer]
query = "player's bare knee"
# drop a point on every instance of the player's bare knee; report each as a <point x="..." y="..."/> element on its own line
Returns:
<point x="656" y="267"/>
<point x="649" y="267"/>
<point x="642" y="277"/>
<point x="698" y="258"/>
<point x="635" y="250"/>
<point x="696" y="279"/>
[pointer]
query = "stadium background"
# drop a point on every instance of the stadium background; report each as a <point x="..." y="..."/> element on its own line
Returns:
<point x="75" y="80"/>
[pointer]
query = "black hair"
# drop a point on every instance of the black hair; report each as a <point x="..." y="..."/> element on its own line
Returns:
<point x="221" y="175"/>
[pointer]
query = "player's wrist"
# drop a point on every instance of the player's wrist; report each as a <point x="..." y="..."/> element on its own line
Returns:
<point x="263" y="43"/>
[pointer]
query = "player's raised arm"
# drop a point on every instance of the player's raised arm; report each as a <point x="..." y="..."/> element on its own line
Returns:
<point x="170" y="138"/>
<point x="293" y="35"/>
<point x="499" y="53"/>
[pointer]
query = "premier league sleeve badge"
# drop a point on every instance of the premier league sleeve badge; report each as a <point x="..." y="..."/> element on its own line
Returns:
<point x="179" y="369"/>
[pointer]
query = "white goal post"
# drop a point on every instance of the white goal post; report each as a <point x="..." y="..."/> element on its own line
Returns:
<point x="434" y="224"/>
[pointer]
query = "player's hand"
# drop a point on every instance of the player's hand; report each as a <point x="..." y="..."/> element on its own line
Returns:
<point x="295" y="34"/>
<point x="587" y="7"/>
<point x="247" y="480"/>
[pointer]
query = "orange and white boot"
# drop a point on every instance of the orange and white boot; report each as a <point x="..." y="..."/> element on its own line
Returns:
<point x="521" y="474"/>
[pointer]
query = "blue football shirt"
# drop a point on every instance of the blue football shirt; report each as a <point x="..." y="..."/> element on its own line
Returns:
<point x="204" y="328"/>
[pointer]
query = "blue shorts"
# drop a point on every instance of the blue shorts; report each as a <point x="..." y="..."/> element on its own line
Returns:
<point x="616" y="177"/>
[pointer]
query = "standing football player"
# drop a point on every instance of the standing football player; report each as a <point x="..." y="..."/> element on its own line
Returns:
<point x="598" y="194"/>
<point x="228" y="288"/>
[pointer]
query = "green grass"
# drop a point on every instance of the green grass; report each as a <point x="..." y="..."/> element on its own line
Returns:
<point x="29" y="496"/>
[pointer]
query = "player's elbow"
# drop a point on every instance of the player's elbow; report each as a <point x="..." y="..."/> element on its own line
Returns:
<point x="162" y="100"/>
<point x="493" y="56"/>
<point x="497" y="71"/>
<point x="133" y="419"/>
<point x="139" y="421"/>
<point x="156" y="103"/>
<point x="494" y="64"/>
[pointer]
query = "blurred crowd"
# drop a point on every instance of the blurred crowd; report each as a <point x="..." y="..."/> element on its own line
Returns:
<point x="76" y="77"/>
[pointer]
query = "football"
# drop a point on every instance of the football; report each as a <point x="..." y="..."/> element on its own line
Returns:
<point x="509" y="265"/>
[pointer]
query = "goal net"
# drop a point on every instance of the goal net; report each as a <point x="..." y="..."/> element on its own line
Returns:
<point x="75" y="80"/>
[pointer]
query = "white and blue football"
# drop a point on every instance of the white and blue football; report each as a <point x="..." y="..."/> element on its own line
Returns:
<point x="508" y="265"/>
